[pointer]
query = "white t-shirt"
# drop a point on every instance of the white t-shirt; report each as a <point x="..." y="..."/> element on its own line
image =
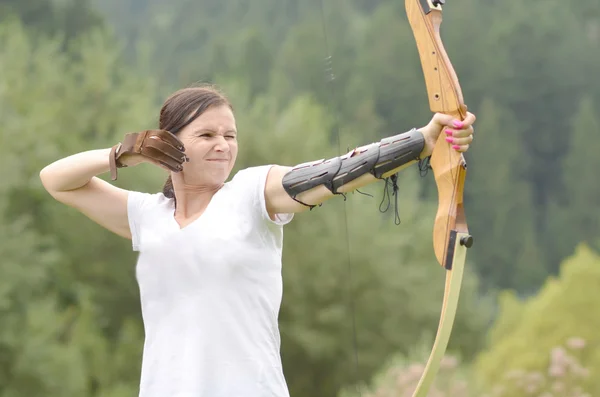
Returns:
<point x="211" y="293"/>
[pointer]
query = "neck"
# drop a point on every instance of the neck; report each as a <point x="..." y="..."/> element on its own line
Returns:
<point x="192" y="198"/>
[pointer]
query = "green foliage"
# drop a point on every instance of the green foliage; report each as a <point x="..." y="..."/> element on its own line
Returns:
<point x="526" y="332"/>
<point x="56" y="327"/>
<point x="68" y="295"/>
<point x="578" y="209"/>
<point x="491" y="172"/>
<point x="400" y="375"/>
<point x="580" y="179"/>
<point x="66" y="18"/>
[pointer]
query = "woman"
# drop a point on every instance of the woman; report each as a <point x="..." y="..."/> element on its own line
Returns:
<point x="209" y="266"/>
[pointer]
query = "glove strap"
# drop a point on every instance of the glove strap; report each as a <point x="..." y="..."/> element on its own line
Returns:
<point x="131" y="144"/>
<point x="113" y="162"/>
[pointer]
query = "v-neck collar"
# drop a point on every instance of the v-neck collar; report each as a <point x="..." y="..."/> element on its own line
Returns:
<point x="199" y="217"/>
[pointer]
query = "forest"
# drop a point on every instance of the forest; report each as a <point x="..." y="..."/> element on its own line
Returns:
<point x="362" y="295"/>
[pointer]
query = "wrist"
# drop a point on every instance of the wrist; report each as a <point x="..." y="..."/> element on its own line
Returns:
<point x="430" y="139"/>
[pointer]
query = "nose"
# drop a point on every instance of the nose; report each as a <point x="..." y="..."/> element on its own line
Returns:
<point x="221" y="145"/>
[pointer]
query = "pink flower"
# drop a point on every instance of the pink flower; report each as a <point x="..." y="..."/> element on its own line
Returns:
<point x="531" y="388"/>
<point x="558" y="387"/>
<point x="514" y="374"/>
<point x="416" y="370"/>
<point x="449" y="362"/>
<point x="558" y="355"/>
<point x="556" y="371"/>
<point x="580" y="371"/>
<point x="536" y="377"/>
<point x="576" y="343"/>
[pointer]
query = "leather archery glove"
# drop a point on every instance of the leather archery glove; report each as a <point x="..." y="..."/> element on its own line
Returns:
<point x="159" y="147"/>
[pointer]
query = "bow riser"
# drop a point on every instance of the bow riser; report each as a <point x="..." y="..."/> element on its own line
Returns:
<point x="445" y="96"/>
<point x="450" y="173"/>
<point x="450" y="234"/>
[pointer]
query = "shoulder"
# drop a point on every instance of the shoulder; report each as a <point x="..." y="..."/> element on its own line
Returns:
<point x="248" y="186"/>
<point x="251" y="175"/>
<point x="140" y="200"/>
<point x="250" y="181"/>
<point x="146" y="211"/>
<point x="148" y="198"/>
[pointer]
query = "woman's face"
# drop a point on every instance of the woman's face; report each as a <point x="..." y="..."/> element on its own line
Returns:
<point x="211" y="144"/>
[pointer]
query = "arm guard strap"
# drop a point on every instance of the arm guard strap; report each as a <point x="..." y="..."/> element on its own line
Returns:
<point x="376" y="158"/>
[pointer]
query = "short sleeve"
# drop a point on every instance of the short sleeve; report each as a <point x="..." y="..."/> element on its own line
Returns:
<point x="253" y="181"/>
<point x="136" y="202"/>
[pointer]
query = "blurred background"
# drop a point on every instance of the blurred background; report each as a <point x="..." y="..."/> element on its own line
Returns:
<point x="77" y="75"/>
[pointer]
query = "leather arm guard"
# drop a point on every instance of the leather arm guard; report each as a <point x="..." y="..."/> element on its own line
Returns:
<point x="377" y="159"/>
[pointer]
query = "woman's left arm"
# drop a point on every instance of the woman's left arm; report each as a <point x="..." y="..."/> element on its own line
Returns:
<point x="296" y="189"/>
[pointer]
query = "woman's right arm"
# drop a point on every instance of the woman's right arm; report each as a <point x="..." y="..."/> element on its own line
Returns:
<point x="72" y="181"/>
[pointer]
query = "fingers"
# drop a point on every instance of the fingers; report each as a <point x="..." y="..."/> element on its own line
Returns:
<point x="443" y="119"/>
<point x="164" y="160"/>
<point x="470" y="119"/>
<point x="460" y="133"/>
<point x="459" y="144"/>
<point x="167" y="137"/>
<point x="163" y="154"/>
<point x="160" y="146"/>
<point x="459" y="139"/>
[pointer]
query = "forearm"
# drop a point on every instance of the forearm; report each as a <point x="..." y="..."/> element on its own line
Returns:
<point x="366" y="179"/>
<point x="75" y="171"/>
<point x="313" y="183"/>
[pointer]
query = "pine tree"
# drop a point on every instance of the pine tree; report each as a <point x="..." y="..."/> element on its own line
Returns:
<point x="575" y="215"/>
<point x="499" y="203"/>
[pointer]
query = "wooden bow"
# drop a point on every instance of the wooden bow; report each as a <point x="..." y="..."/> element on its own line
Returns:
<point x="450" y="233"/>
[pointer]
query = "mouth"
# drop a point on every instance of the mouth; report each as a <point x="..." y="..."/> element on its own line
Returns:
<point x="218" y="160"/>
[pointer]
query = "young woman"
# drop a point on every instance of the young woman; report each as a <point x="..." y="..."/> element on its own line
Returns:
<point x="209" y="266"/>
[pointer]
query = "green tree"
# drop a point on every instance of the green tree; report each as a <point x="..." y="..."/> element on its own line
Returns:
<point x="538" y="70"/>
<point x="69" y="318"/>
<point x="527" y="331"/>
<point x="31" y="13"/>
<point x="66" y="18"/>
<point x="499" y="204"/>
<point x="576" y="212"/>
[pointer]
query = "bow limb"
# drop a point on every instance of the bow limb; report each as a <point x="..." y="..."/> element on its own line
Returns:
<point x="450" y="233"/>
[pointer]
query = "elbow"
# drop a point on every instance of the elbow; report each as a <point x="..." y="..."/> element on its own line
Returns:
<point x="47" y="181"/>
<point x="45" y="178"/>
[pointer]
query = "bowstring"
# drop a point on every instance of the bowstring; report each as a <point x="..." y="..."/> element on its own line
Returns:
<point x="330" y="81"/>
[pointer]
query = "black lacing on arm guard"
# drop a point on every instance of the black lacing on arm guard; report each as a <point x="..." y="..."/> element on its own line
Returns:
<point x="386" y="194"/>
<point x="392" y="182"/>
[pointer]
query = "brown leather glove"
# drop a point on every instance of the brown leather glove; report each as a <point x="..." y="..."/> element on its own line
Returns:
<point x="159" y="147"/>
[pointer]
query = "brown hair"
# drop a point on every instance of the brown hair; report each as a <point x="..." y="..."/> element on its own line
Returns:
<point x="176" y="110"/>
